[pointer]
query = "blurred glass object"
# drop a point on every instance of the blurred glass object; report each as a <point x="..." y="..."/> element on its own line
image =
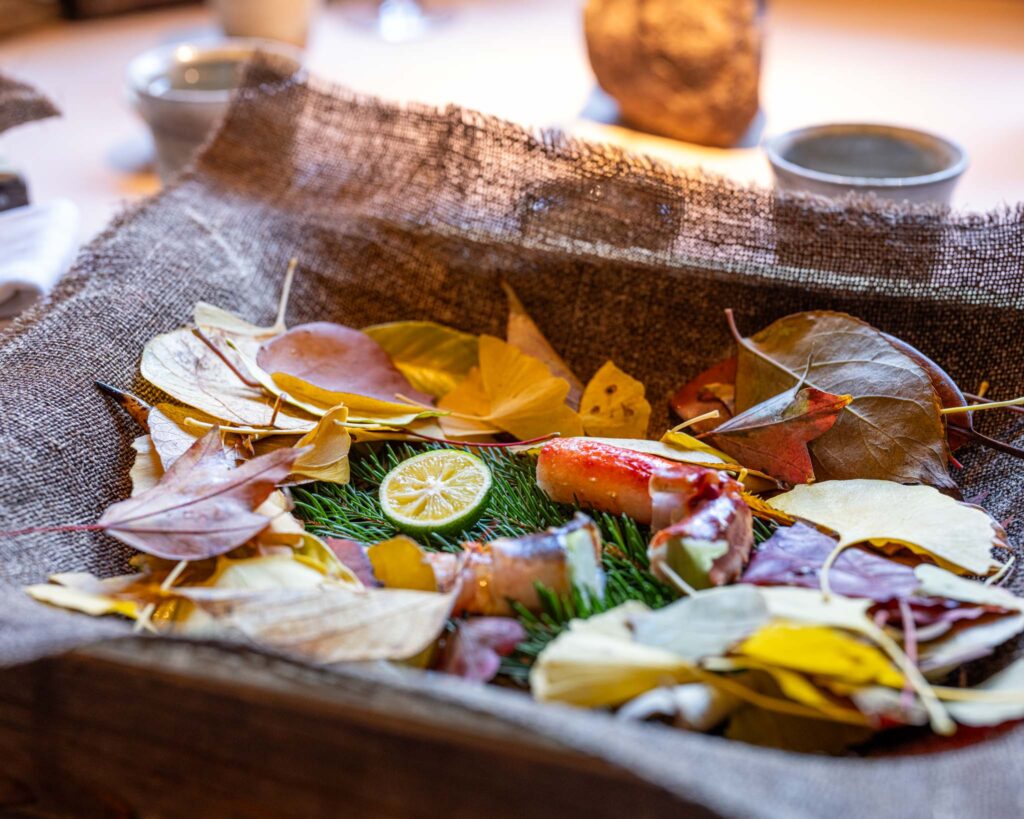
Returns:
<point x="396" y="21"/>
<point x="288" y="21"/>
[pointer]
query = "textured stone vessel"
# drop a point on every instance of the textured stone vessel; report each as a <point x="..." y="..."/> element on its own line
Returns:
<point x="688" y="69"/>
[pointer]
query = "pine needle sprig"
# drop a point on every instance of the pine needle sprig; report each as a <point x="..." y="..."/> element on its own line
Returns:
<point x="516" y="507"/>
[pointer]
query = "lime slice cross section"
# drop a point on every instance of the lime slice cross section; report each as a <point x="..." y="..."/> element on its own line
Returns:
<point x="443" y="491"/>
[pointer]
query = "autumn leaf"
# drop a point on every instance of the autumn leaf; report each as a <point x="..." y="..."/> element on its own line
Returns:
<point x="514" y="392"/>
<point x="202" y="506"/>
<point x="338" y="359"/>
<point x="704" y="625"/>
<point x="693" y="706"/>
<point x="613" y="405"/>
<point x="90" y="595"/>
<point x="362" y="409"/>
<point x="353" y="555"/>
<point x="523" y="333"/>
<point x="997" y="700"/>
<point x="954" y="534"/>
<point x="794" y="556"/>
<point x="713" y="390"/>
<point x="475" y="650"/>
<point x="324" y="450"/>
<point x="432" y="356"/>
<point x="820" y="652"/>
<point x="772" y="436"/>
<point x="595" y="663"/>
<point x="187" y="369"/>
<point x="891" y="430"/>
<point x="399" y="563"/>
<point x="333" y="624"/>
<point x="171" y="434"/>
<point x="146" y="469"/>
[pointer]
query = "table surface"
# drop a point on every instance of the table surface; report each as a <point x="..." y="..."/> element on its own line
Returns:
<point x="951" y="66"/>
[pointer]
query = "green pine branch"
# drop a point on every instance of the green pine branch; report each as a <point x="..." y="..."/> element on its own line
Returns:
<point x="516" y="507"/>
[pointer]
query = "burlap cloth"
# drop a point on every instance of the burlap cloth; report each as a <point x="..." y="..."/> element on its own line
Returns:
<point x="406" y="213"/>
<point x="21" y="103"/>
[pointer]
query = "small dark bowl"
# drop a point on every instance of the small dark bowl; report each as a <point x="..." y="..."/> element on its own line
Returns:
<point x="901" y="164"/>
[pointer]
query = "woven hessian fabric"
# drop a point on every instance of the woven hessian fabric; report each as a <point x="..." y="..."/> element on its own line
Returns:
<point x="417" y="213"/>
<point x="21" y="103"/>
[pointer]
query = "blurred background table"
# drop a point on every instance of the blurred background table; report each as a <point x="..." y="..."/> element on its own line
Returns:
<point x="952" y="66"/>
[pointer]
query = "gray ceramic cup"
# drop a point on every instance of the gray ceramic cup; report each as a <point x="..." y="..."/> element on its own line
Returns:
<point x="900" y="164"/>
<point x="182" y="91"/>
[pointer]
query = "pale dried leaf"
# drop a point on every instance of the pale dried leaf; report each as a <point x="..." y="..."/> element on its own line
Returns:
<point x="954" y="534"/>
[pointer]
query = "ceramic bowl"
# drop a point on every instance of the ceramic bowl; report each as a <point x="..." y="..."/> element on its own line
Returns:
<point x="182" y="91"/>
<point x="901" y="164"/>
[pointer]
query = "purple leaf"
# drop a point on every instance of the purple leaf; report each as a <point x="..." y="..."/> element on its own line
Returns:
<point x="476" y="649"/>
<point x="794" y="555"/>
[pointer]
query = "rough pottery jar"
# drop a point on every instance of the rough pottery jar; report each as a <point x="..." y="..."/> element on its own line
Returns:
<point x="688" y="69"/>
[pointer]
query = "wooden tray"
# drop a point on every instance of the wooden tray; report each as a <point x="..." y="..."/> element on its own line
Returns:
<point x="147" y="728"/>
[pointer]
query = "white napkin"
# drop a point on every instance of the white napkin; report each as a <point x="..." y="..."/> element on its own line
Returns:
<point x="37" y="244"/>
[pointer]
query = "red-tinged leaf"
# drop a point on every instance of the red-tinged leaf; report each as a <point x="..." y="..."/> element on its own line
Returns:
<point x="202" y="506"/>
<point x="353" y="555"/>
<point x="479" y="643"/>
<point x="945" y="387"/>
<point x="933" y="616"/>
<point x="713" y="389"/>
<point x="772" y="436"/>
<point x="892" y="430"/>
<point x="708" y="530"/>
<point x="794" y="555"/>
<point x="339" y="359"/>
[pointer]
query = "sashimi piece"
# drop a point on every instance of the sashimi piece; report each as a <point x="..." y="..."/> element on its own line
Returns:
<point x="507" y="570"/>
<point x="601" y="476"/>
<point x="708" y="527"/>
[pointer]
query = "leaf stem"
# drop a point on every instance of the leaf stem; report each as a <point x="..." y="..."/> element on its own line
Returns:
<point x="987" y="405"/>
<point x="286" y="289"/>
<point x="982" y="399"/>
<point x="707" y="416"/>
<point x="227" y="362"/>
<point x="39" y="530"/>
<point x="991" y="443"/>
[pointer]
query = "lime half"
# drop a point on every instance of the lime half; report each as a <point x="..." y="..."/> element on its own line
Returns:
<point x="443" y="491"/>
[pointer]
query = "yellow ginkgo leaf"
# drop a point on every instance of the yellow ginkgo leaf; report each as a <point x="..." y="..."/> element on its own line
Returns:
<point x="327" y="446"/>
<point x="956" y="535"/>
<point x="399" y="563"/>
<point x="511" y="391"/>
<point x="361" y="408"/>
<point x="613" y="405"/>
<point x="820" y="652"/>
<point x="92" y="601"/>
<point x="594" y="663"/>
<point x="146" y="470"/>
<point x="433" y="357"/>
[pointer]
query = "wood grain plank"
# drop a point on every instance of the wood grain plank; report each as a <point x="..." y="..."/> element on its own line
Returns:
<point x="143" y="728"/>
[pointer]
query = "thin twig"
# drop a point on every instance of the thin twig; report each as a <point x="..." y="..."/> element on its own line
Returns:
<point x="227" y="362"/>
<point x="991" y="443"/>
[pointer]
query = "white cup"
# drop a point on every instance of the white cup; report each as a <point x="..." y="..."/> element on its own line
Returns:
<point x="284" y="20"/>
